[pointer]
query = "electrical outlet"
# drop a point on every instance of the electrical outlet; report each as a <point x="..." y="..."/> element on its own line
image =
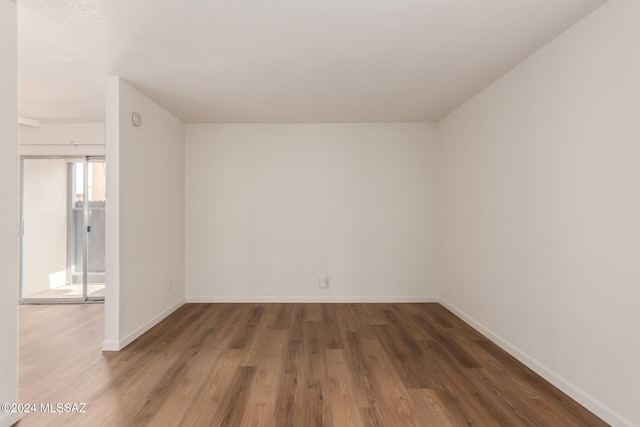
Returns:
<point x="323" y="280"/>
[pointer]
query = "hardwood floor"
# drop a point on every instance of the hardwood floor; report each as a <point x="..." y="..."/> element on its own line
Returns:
<point x="283" y="365"/>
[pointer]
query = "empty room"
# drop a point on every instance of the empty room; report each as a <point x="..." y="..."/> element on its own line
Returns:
<point x="336" y="213"/>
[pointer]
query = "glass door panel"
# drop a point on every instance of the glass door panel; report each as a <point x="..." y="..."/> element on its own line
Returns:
<point x="96" y="199"/>
<point x="48" y="231"/>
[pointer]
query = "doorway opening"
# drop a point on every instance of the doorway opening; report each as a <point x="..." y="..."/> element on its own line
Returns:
<point x="62" y="244"/>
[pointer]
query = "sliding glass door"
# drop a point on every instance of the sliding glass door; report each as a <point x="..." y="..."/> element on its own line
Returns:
<point x="63" y="220"/>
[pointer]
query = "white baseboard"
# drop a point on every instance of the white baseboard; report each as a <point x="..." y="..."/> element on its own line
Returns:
<point x="132" y="336"/>
<point x="9" y="419"/>
<point x="111" y="345"/>
<point x="580" y="396"/>
<point x="281" y="299"/>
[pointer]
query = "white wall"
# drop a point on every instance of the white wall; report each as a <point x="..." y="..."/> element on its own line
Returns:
<point x="269" y="207"/>
<point x="8" y="209"/>
<point x="145" y="214"/>
<point x="45" y="210"/>
<point x="62" y="139"/>
<point x="542" y="211"/>
<point x="62" y="133"/>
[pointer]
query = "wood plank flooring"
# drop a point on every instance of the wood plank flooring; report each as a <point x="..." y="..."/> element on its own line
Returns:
<point x="389" y="365"/>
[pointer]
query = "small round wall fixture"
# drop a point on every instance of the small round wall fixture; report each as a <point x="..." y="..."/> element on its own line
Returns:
<point x="136" y="119"/>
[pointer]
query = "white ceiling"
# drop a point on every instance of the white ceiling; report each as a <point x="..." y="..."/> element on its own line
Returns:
<point x="278" y="60"/>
